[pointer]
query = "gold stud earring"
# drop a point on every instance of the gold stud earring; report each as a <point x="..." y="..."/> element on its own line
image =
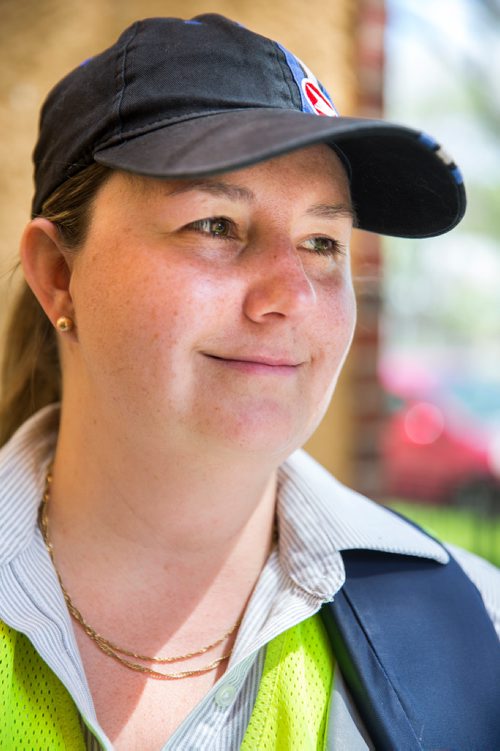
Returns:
<point x="64" y="324"/>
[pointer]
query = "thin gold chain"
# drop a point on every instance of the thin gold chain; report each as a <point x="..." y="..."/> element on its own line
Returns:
<point x="108" y="647"/>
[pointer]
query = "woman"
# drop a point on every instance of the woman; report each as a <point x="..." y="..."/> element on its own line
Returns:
<point x="164" y="560"/>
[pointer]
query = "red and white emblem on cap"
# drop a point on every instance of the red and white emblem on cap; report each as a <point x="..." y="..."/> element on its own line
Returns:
<point x="318" y="101"/>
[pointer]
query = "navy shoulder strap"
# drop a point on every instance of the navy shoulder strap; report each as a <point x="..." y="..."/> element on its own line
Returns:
<point x="418" y="652"/>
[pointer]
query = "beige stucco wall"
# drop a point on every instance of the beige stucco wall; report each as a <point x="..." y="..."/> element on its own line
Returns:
<point x="42" y="39"/>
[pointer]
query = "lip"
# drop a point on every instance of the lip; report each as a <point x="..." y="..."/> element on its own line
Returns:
<point x="259" y="364"/>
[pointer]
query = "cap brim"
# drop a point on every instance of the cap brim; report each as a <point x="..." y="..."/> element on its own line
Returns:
<point x="401" y="182"/>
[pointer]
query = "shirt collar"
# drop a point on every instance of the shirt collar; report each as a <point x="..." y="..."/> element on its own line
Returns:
<point x="318" y="518"/>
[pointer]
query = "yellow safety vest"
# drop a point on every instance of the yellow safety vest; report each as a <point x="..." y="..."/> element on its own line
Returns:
<point x="291" y="708"/>
<point x="36" y="711"/>
<point x="290" y="712"/>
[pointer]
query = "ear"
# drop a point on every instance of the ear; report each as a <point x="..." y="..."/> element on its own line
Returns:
<point x="45" y="263"/>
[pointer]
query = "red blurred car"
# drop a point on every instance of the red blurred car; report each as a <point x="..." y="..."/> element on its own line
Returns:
<point x="435" y="446"/>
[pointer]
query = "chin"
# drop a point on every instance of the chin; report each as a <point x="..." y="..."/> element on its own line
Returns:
<point x="271" y="433"/>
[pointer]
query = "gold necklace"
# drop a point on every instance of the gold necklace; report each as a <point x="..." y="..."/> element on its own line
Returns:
<point x="107" y="646"/>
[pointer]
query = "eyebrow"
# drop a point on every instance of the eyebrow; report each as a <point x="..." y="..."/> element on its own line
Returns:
<point x="332" y="211"/>
<point x="216" y="188"/>
<point x="240" y="193"/>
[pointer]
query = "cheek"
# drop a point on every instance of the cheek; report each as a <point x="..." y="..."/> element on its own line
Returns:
<point x="337" y="332"/>
<point x="338" y="322"/>
<point x="140" y="316"/>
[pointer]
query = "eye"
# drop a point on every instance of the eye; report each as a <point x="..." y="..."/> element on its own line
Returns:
<point x="216" y="226"/>
<point x="324" y="246"/>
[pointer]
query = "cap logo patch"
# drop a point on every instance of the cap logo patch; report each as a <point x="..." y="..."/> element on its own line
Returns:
<point x="318" y="101"/>
<point x="314" y="97"/>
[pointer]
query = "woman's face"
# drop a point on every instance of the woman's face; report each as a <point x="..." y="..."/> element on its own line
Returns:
<point x="216" y="312"/>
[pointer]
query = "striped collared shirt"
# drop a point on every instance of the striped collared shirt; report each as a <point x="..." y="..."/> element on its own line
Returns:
<point x="318" y="518"/>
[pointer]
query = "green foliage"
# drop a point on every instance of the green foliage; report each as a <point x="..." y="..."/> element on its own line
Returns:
<point x="469" y="530"/>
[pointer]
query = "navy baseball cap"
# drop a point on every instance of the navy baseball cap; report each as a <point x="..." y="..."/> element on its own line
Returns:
<point x="177" y="98"/>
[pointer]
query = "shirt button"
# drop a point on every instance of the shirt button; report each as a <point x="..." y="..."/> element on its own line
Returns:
<point x="225" y="695"/>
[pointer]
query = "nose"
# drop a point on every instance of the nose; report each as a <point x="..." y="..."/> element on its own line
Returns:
<point x="279" y="286"/>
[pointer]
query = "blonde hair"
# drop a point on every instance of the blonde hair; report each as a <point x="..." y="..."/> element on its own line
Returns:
<point x="31" y="372"/>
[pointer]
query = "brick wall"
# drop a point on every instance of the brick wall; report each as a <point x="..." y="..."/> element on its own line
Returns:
<point x="367" y="268"/>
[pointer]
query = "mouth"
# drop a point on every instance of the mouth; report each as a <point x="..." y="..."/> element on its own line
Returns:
<point x="258" y="365"/>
